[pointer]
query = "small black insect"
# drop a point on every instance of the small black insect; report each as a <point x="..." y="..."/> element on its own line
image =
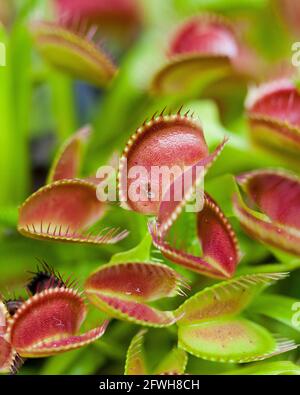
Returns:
<point x="44" y="278"/>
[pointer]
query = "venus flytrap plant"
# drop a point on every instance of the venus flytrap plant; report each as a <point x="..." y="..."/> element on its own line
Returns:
<point x="212" y="326"/>
<point x="67" y="162"/>
<point x="156" y="143"/>
<point x="204" y="49"/>
<point x="65" y="211"/>
<point x="273" y="116"/>
<point x="72" y="50"/>
<point x="123" y="291"/>
<point x="125" y="287"/>
<point x="135" y="361"/>
<point x="47" y="323"/>
<point x="198" y="232"/>
<point x="173" y="364"/>
<point x="173" y="141"/>
<point x="67" y="207"/>
<point x="274" y="219"/>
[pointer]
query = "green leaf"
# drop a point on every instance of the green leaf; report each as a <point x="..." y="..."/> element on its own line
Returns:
<point x="224" y="299"/>
<point x="135" y="361"/>
<point x="227" y="340"/>
<point x="218" y="5"/>
<point x="174" y="363"/>
<point x="6" y="125"/>
<point x="72" y="52"/>
<point x="22" y="88"/>
<point x="140" y="253"/>
<point x="67" y="161"/>
<point x="63" y="103"/>
<point x="60" y="363"/>
<point x="268" y="368"/>
<point x="280" y="308"/>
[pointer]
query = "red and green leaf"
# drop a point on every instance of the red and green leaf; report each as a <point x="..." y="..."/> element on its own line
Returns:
<point x="231" y="340"/>
<point x="220" y="253"/>
<point x="273" y="114"/>
<point x="135" y="361"/>
<point x="48" y="322"/>
<point x="225" y="299"/>
<point x="111" y="16"/>
<point x="277" y="195"/>
<point x="122" y="290"/>
<point x="132" y="311"/>
<point x="174" y="140"/>
<point x="173" y="364"/>
<point x="189" y="72"/>
<point x="211" y="327"/>
<point x="68" y="160"/>
<point x="137" y="281"/>
<point x="73" y="53"/>
<point x="64" y="211"/>
<point x="203" y="50"/>
<point x="170" y="207"/>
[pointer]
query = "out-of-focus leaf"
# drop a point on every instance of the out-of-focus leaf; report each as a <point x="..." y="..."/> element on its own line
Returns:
<point x="191" y="6"/>
<point x="63" y="103"/>
<point x="135" y="361"/>
<point x="174" y="363"/>
<point x="275" y="219"/>
<point x="270" y="267"/>
<point x="59" y="364"/>
<point x="6" y="123"/>
<point x="21" y="46"/>
<point x="73" y="52"/>
<point x="280" y="308"/>
<point x="238" y="155"/>
<point x="8" y="216"/>
<point x="221" y="189"/>
<point x="68" y="159"/>
<point x="268" y="368"/>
